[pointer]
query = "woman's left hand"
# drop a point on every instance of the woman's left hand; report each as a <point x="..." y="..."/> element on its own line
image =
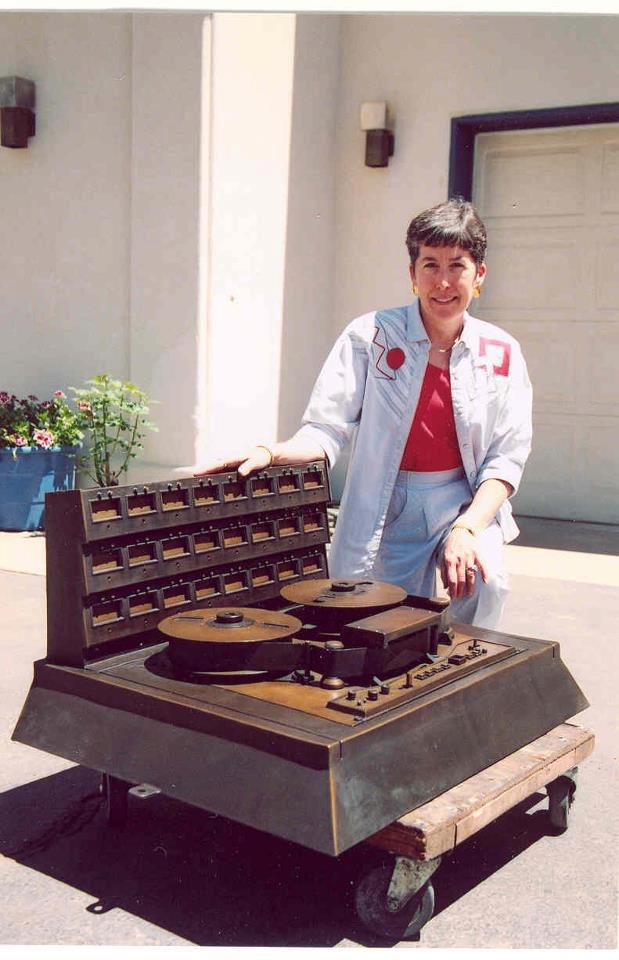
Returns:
<point x="461" y="563"/>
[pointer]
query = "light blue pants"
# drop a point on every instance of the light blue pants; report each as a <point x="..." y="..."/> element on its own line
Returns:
<point x="422" y="509"/>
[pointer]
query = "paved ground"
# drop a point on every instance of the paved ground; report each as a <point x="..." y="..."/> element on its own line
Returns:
<point x="178" y="876"/>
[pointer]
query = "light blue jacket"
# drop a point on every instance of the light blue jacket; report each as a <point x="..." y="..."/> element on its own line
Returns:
<point x="367" y="393"/>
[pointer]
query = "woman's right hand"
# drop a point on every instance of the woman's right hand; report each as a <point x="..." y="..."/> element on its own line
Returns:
<point x="296" y="450"/>
<point x="256" y="458"/>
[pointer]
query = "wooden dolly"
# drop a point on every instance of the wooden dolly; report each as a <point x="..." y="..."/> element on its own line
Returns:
<point x="396" y="899"/>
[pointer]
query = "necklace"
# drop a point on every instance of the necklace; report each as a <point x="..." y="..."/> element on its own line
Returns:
<point x="445" y="349"/>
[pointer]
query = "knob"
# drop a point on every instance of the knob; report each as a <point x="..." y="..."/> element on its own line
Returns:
<point x="373" y="693"/>
<point x="229" y="616"/>
<point x="334" y="645"/>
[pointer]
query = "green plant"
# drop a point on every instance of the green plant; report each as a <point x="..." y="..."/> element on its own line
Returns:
<point x="114" y="414"/>
<point x="31" y="422"/>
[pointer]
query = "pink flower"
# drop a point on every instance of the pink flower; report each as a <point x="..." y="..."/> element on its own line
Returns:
<point x="60" y="394"/>
<point x="4" y="396"/>
<point x="84" y="405"/>
<point x="46" y="405"/>
<point x="44" y="438"/>
<point x="17" y="441"/>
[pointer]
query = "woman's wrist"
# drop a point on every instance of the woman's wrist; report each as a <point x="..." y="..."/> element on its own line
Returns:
<point x="464" y="525"/>
<point x="269" y="451"/>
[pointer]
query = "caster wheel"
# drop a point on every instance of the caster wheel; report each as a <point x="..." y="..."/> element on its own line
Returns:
<point x="560" y="799"/>
<point x="559" y="813"/>
<point x="371" y="906"/>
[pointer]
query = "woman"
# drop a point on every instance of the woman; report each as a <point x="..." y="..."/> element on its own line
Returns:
<point x="439" y="406"/>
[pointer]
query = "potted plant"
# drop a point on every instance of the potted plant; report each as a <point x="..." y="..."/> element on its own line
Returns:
<point x="114" y="416"/>
<point x="39" y="444"/>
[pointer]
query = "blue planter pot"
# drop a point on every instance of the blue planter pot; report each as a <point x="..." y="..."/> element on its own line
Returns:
<point x="26" y="475"/>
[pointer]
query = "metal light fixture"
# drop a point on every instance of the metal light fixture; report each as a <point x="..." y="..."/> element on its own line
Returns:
<point x="17" y="123"/>
<point x="379" y="141"/>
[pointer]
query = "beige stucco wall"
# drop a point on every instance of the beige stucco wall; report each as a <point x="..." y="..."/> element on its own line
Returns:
<point x="169" y="202"/>
<point x="102" y="247"/>
<point x="311" y="226"/>
<point x="431" y="68"/>
<point x="194" y="211"/>
<point x="65" y="213"/>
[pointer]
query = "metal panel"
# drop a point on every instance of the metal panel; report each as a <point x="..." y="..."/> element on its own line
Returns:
<point x="327" y="793"/>
<point x="236" y="780"/>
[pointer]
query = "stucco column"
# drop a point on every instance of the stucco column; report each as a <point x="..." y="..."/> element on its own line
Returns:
<point x="252" y="87"/>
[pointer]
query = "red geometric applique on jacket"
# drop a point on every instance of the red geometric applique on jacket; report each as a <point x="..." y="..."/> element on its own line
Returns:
<point x="395" y="358"/>
<point x="387" y="361"/>
<point x="498" y="352"/>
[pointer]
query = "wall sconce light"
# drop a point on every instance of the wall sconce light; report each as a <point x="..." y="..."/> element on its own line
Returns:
<point x="16" y="111"/>
<point x="379" y="141"/>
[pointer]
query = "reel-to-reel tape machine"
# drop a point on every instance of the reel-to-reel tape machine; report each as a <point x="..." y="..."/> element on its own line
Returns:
<point x="196" y="643"/>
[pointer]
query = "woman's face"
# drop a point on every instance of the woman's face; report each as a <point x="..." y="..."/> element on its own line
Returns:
<point x="445" y="278"/>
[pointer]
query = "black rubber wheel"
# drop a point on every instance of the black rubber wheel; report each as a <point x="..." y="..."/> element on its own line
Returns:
<point x="559" y="811"/>
<point x="371" y="906"/>
<point x="560" y="800"/>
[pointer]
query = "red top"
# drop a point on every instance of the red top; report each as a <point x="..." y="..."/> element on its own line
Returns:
<point x="432" y="442"/>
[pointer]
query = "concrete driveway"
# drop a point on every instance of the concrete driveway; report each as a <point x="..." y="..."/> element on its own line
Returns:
<point x="179" y="876"/>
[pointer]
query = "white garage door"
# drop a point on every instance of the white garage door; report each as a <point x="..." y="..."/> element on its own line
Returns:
<point x="550" y="201"/>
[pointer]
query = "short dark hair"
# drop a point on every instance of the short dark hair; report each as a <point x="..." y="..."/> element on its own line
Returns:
<point x="454" y="223"/>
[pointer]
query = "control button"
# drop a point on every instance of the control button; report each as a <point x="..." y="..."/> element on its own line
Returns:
<point x="334" y="645"/>
<point x="351" y="694"/>
<point x="373" y="693"/>
<point x="385" y="688"/>
<point x="457" y="658"/>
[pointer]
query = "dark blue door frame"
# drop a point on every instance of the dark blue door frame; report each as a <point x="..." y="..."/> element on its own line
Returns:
<point x="465" y="129"/>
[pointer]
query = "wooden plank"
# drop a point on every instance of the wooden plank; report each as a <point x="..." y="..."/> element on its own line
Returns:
<point x="521" y="788"/>
<point x="447" y="820"/>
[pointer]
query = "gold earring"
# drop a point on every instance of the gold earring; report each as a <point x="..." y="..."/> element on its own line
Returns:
<point x="476" y="291"/>
<point x="415" y="290"/>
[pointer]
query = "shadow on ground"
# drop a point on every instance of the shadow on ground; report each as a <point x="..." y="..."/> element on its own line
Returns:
<point x="214" y="882"/>
<point x="600" y="538"/>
